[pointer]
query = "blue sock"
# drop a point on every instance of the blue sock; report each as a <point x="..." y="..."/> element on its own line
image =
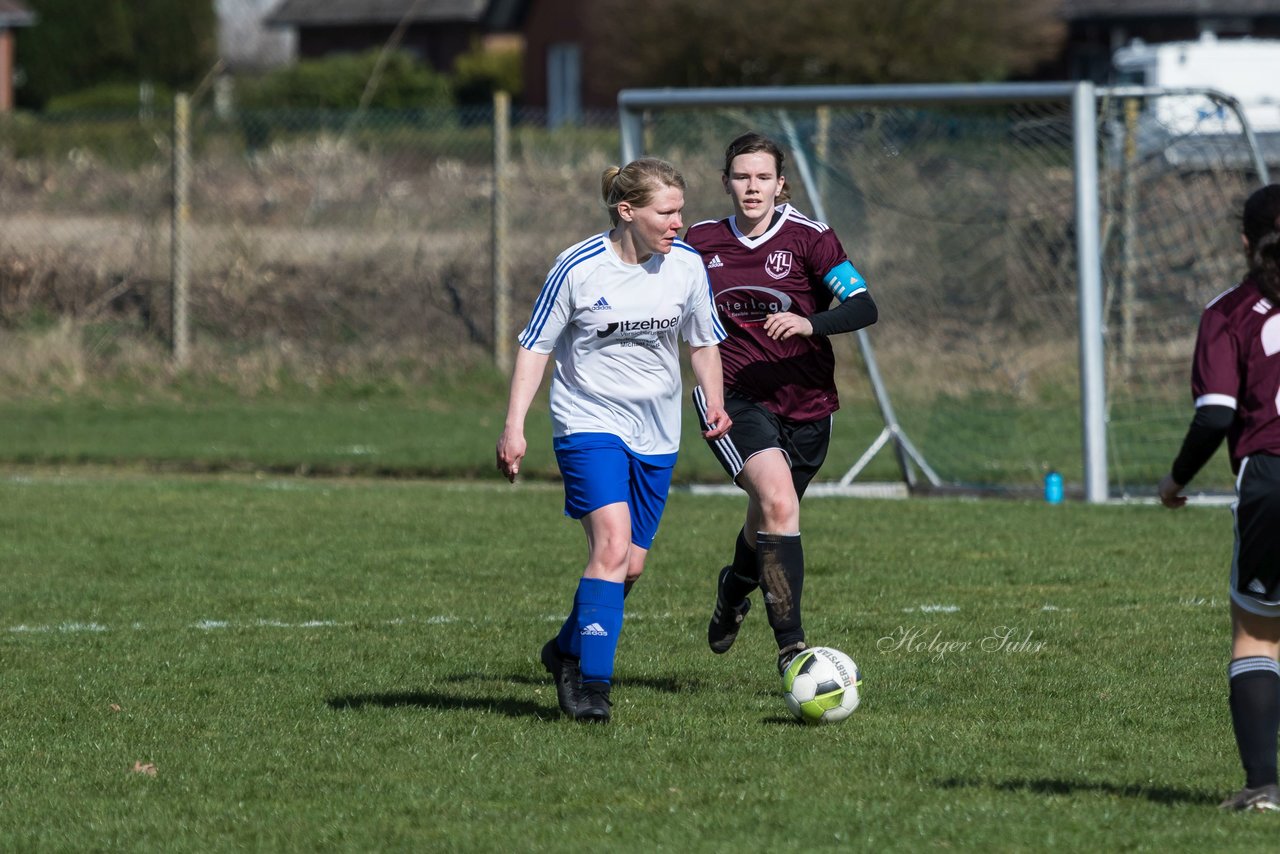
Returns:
<point x="567" y="640"/>
<point x="599" y="607"/>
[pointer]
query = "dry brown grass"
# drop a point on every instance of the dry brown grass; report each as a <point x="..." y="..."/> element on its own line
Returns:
<point x="317" y="260"/>
<point x="52" y="358"/>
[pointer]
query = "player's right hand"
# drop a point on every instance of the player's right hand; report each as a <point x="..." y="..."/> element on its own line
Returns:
<point x="1170" y="493"/>
<point x="511" y="450"/>
<point x="717" y="424"/>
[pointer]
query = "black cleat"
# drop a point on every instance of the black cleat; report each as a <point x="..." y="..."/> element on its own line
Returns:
<point x="722" y="631"/>
<point x="1259" y="799"/>
<point x="565" y="670"/>
<point x="787" y="654"/>
<point x="593" y="703"/>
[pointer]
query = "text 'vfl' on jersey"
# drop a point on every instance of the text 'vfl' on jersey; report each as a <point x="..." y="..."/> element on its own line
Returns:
<point x="778" y="264"/>
<point x="748" y="305"/>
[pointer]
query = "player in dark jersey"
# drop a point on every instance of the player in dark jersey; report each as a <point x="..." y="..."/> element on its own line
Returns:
<point x="774" y="274"/>
<point x="1235" y="381"/>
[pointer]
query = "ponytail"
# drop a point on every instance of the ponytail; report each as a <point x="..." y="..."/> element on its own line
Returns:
<point x="1260" y="224"/>
<point x="607" y="180"/>
<point x="1264" y="266"/>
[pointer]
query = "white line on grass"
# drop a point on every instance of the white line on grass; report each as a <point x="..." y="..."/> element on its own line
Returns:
<point x="1200" y="499"/>
<point x="216" y="625"/>
<point x="68" y="628"/>
<point x="74" y="627"/>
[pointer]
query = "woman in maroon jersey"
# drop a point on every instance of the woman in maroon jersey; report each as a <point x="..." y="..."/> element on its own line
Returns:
<point x="1235" y="381"/>
<point x="774" y="275"/>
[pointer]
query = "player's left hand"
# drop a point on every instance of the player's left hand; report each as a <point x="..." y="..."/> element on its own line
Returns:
<point x="1170" y="493"/>
<point x="784" y="324"/>
<point x="719" y="422"/>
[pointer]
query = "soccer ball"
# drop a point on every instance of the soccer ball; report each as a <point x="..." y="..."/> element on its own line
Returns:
<point x="820" y="685"/>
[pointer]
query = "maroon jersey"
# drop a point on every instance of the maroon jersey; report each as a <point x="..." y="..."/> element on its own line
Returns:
<point x="751" y="277"/>
<point x="1237" y="364"/>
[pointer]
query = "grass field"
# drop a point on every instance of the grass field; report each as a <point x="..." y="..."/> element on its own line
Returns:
<point x="311" y="664"/>
<point x="970" y="442"/>
<point x="446" y="434"/>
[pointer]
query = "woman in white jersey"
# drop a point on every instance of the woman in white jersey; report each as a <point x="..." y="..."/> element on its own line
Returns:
<point x="609" y="313"/>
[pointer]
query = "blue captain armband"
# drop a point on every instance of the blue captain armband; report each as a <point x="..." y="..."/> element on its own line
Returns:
<point x="844" y="281"/>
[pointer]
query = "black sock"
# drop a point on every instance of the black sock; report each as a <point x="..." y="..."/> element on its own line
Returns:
<point x="781" y="561"/>
<point x="1255" y="715"/>
<point x="627" y="585"/>
<point x="745" y="574"/>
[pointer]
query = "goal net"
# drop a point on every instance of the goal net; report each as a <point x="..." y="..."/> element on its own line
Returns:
<point x="961" y="214"/>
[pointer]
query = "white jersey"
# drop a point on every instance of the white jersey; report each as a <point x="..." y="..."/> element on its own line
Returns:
<point x="612" y="327"/>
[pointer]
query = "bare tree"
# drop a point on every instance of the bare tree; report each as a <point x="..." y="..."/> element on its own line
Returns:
<point x="764" y="42"/>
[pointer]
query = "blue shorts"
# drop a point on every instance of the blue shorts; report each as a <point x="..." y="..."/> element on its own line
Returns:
<point x="599" y="469"/>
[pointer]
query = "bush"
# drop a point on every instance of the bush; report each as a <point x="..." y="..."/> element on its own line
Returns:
<point x="479" y="73"/>
<point x="114" y="97"/>
<point x="338" y="83"/>
<point x="118" y="137"/>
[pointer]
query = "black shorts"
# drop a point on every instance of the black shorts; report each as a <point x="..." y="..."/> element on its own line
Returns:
<point x="756" y="429"/>
<point x="1255" y="566"/>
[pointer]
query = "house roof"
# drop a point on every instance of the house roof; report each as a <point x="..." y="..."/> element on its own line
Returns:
<point x="1073" y="10"/>
<point x="293" y="13"/>
<point x="506" y="15"/>
<point x="14" y="14"/>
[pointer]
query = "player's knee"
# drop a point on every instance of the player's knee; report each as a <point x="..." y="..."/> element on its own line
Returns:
<point x="780" y="513"/>
<point x="611" y="556"/>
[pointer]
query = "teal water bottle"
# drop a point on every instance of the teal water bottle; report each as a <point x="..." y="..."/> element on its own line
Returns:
<point x="1053" y="488"/>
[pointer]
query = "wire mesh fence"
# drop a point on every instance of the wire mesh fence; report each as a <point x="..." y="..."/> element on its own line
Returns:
<point x="320" y="245"/>
<point x="962" y="218"/>
<point x="1179" y="170"/>
<point x="359" y="247"/>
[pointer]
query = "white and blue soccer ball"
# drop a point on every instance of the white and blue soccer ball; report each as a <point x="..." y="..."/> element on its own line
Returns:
<point x="820" y="685"/>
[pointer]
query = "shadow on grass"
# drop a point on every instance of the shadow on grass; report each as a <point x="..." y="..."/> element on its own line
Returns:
<point x="1157" y="794"/>
<point x="666" y="685"/>
<point x="444" y="702"/>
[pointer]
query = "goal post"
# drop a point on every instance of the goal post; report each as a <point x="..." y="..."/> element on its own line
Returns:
<point x="1089" y="266"/>
<point x="988" y="220"/>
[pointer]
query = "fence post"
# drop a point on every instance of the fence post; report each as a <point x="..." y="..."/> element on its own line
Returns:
<point x="501" y="282"/>
<point x="179" y="251"/>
